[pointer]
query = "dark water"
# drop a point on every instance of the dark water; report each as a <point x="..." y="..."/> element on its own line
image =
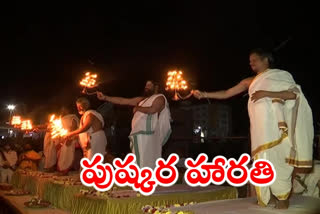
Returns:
<point x="6" y="208"/>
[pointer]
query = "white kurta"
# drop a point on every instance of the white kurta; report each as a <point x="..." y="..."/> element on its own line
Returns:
<point x="66" y="153"/>
<point x="149" y="133"/>
<point x="96" y="141"/>
<point x="285" y="145"/>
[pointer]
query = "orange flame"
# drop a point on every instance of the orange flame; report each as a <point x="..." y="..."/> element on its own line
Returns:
<point x="16" y="121"/>
<point x="26" y="125"/>
<point x="89" y="80"/>
<point x="57" y="129"/>
<point x="175" y="81"/>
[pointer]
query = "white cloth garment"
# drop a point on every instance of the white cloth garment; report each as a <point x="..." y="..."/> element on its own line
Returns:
<point x="11" y="158"/>
<point x="281" y="131"/>
<point x="42" y="161"/>
<point x="50" y="151"/>
<point x="97" y="141"/>
<point x="266" y="113"/>
<point x="149" y="133"/>
<point x="66" y="153"/>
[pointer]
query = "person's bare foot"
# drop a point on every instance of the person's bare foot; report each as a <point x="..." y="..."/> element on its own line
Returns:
<point x="273" y="199"/>
<point x="282" y="204"/>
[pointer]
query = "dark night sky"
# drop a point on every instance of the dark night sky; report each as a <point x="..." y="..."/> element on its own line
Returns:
<point x="48" y="47"/>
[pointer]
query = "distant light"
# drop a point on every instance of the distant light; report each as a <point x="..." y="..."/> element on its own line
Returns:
<point x="2" y="137"/>
<point x="11" y="107"/>
<point x="11" y="131"/>
<point x="202" y="134"/>
<point x="197" y="130"/>
<point x="16" y="120"/>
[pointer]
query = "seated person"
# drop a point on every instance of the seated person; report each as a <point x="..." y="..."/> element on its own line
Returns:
<point x="29" y="159"/>
<point x="8" y="163"/>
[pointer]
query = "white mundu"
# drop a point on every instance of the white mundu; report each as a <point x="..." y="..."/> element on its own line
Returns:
<point x="66" y="153"/>
<point x="97" y="140"/>
<point x="149" y="133"/>
<point x="281" y="131"/>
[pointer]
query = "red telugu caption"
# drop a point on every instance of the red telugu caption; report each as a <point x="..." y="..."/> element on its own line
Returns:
<point x="102" y="176"/>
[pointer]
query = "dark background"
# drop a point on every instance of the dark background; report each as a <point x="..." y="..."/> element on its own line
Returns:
<point x="47" y="47"/>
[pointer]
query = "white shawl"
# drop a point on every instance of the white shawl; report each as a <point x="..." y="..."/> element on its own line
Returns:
<point x="147" y="123"/>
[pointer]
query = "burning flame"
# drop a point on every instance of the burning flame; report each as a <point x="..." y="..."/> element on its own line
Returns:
<point x="89" y="80"/>
<point x="16" y="121"/>
<point x="26" y="125"/>
<point x="57" y="129"/>
<point x="175" y="81"/>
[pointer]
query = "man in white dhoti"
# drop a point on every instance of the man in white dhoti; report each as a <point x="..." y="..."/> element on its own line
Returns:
<point x="66" y="153"/>
<point x="281" y="124"/>
<point x="92" y="137"/>
<point x="150" y="128"/>
<point x="49" y="149"/>
<point x="8" y="163"/>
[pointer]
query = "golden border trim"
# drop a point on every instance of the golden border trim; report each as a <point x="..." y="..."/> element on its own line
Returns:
<point x="269" y="145"/>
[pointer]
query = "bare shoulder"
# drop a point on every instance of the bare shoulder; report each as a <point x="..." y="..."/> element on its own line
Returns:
<point x="159" y="101"/>
<point x="160" y="98"/>
<point x="247" y="81"/>
<point x="136" y="100"/>
<point x="90" y="116"/>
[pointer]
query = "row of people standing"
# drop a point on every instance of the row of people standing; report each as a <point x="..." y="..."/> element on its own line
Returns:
<point x="85" y="138"/>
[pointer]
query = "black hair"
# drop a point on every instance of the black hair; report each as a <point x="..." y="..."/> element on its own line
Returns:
<point x="156" y="85"/>
<point x="84" y="102"/>
<point x="263" y="54"/>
